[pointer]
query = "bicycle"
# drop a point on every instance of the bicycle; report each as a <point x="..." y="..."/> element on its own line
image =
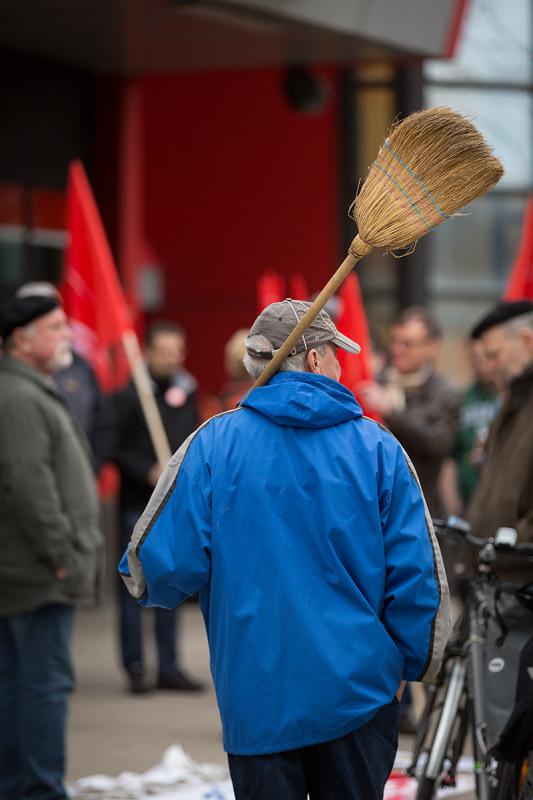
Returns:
<point x="455" y="700"/>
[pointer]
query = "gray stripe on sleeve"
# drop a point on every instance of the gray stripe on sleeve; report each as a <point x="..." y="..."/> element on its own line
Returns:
<point x="440" y="627"/>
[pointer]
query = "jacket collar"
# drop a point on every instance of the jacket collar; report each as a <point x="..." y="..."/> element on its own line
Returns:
<point x="522" y="384"/>
<point x="46" y="382"/>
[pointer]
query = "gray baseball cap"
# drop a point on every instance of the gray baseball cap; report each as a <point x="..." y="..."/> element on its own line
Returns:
<point x="278" y="320"/>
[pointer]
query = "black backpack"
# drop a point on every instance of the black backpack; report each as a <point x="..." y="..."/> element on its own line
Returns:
<point x="509" y="672"/>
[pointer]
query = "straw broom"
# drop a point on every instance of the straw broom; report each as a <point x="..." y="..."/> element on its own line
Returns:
<point x="432" y="164"/>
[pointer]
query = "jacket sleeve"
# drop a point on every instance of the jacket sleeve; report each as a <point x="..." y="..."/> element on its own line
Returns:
<point x="428" y="432"/>
<point x="416" y="605"/>
<point x="169" y="556"/>
<point x="28" y="481"/>
<point x="524" y="526"/>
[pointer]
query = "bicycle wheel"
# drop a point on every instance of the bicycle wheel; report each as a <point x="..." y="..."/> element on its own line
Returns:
<point x="431" y="776"/>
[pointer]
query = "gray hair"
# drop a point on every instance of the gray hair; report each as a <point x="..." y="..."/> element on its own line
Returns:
<point x="254" y="365"/>
<point x="514" y="326"/>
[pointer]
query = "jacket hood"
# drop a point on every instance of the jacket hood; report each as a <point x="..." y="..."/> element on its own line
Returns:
<point x="304" y="400"/>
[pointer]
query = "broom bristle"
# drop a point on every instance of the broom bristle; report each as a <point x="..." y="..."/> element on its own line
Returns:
<point x="433" y="163"/>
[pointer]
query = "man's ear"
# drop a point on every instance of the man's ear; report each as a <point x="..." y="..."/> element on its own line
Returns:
<point x="313" y="362"/>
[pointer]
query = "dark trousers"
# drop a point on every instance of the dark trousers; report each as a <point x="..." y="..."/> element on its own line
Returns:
<point x="355" y="767"/>
<point x="36" y="677"/>
<point x="131" y="642"/>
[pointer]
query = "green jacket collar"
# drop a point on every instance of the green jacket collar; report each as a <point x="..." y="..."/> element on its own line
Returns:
<point x="14" y="365"/>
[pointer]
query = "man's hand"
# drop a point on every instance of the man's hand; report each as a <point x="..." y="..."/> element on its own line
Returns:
<point x="400" y="691"/>
<point x="374" y="396"/>
<point x="61" y="573"/>
<point x="154" y="474"/>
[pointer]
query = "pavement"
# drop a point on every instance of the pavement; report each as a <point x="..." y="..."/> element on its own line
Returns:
<point x="110" y="730"/>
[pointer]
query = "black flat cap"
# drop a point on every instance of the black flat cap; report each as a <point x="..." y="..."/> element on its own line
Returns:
<point x="23" y="310"/>
<point x="502" y="312"/>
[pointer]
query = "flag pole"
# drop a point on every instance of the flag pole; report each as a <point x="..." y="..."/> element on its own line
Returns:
<point x="146" y="397"/>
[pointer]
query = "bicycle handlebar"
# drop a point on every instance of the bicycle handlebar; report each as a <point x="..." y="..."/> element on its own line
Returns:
<point x="457" y="526"/>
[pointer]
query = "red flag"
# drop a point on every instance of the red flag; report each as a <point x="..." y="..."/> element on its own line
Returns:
<point x="520" y="281"/>
<point x="270" y="289"/>
<point x="92" y="295"/>
<point x="353" y="323"/>
<point x="298" y="287"/>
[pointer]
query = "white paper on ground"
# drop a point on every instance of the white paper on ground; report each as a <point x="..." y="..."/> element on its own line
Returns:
<point x="178" y="777"/>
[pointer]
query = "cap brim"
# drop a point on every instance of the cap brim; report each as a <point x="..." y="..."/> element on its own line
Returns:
<point x="344" y="343"/>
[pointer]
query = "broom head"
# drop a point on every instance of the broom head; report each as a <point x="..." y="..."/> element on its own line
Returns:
<point x="432" y="164"/>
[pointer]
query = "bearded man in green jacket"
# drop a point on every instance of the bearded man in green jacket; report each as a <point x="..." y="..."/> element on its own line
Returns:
<point x="49" y="540"/>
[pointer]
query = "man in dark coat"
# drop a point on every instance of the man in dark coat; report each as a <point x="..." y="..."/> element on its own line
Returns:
<point x="420" y="407"/>
<point x="175" y="395"/>
<point x="504" y="494"/>
<point x="49" y="539"/>
<point x="89" y="406"/>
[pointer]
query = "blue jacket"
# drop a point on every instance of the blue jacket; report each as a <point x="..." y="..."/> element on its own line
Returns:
<point x="303" y="525"/>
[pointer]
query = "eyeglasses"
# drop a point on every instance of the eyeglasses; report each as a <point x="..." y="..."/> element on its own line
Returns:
<point x="408" y="344"/>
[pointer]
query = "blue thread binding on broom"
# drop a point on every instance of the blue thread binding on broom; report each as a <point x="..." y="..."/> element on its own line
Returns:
<point x="417" y="179"/>
<point x="428" y="226"/>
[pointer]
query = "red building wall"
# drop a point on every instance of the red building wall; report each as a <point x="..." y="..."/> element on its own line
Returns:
<point x="230" y="181"/>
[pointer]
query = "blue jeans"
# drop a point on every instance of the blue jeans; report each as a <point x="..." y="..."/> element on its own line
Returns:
<point x="36" y="677"/>
<point x="131" y="643"/>
<point x="355" y="767"/>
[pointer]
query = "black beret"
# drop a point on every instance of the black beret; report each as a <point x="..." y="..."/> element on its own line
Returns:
<point x="502" y="312"/>
<point x="23" y="310"/>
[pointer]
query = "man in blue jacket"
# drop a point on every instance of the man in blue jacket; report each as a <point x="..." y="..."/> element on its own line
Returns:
<point x="303" y="525"/>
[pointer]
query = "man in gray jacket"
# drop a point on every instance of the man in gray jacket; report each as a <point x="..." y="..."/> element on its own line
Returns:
<point x="49" y="539"/>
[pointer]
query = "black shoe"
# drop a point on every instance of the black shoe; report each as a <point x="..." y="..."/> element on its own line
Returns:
<point x="137" y="683"/>
<point x="179" y="682"/>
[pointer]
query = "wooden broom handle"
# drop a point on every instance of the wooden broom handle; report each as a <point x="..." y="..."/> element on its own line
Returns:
<point x="358" y="249"/>
<point x="146" y="397"/>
